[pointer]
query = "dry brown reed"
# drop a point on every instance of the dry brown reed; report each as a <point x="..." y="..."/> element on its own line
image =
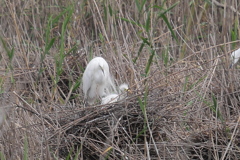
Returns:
<point x="190" y="95"/>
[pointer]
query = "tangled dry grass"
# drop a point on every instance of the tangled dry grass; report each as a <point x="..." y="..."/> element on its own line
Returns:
<point x="184" y="106"/>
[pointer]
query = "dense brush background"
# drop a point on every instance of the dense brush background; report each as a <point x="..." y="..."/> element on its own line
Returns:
<point x="175" y="56"/>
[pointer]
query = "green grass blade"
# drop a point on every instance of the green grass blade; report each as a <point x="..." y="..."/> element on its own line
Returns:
<point x="145" y="40"/>
<point x="77" y="84"/>
<point x="234" y="32"/>
<point x="165" y="57"/>
<point x="169" y="26"/>
<point x="25" y="154"/>
<point x="105" y="15"/>
<point x="110" y="10"/>
<point x="138" y="5"/>
<point x="212" y="106"/>
<point x="139" y="52"/>
<point x="150" y="59"/>
<point x="10" y="52"/>
<point x="2" y="156"/>
<point x="141" y="104"/>
<point x="74" y="48"/>
<point x="49" y="45"/>
<point x="215" y="108"/>
<point x="167" y="10"/>
<point x="77" y="154"/>
<point x="147" y="25"/>
<point x="59" y="59"/>
<point x="133" y="22"/>
<point x="163" y="16"/>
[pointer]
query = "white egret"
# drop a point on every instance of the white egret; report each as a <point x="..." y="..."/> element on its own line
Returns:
<point x="235" y="57"/>
<point x="111" y="98"/>
<point x="96" y="80"/>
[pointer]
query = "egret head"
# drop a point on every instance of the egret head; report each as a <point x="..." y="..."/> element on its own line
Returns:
<point x="124" y="88"/>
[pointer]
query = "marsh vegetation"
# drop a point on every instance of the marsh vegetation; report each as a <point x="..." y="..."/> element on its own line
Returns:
<point x="174" y="55"/>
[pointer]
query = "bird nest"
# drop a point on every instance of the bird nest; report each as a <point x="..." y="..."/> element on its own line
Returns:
<point x="110" y="130"/>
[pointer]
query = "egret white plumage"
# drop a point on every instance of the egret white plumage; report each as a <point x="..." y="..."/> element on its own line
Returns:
<point x="123" y="87"/>
<point x="111" y="98"/>
<point x="96" y="80"/>
<point x="235" y="57"/>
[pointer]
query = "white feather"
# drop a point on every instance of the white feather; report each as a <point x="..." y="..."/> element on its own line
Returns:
<point x="96" y="80"/>
<point x="235" y="57"/>
<point x="111" y="98"/>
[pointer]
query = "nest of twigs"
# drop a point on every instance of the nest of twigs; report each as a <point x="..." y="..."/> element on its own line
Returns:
<point x="111" y="130"/>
